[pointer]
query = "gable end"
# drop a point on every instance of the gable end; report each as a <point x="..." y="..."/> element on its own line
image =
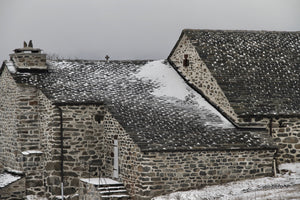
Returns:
<point x="198" y="76"/>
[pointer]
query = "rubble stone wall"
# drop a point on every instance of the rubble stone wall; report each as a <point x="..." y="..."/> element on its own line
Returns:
<point x="19" y="128"/>
<point x="82" y="146"/>
<point x="165" y="172"/>
<point x="29" y="60"/>
<point x="33" y="165"/>
<point x="9" y="145"/>
<point x="286" y="133"/>
<point x="198" y="75"/>
<point x="19" y="131"/>
<point x="49" y="125"/>
<point x="129" y="155"/>
<point x="88" y="147"/>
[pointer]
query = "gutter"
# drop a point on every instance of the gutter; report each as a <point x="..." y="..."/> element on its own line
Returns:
<point x="61" y="152"/>
<point x="271" y="148"/>
<point x="275" y="164"/>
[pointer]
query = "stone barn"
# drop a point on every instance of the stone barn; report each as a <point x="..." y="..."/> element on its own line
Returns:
<point x="145" y="128"/>
<point x="251" y="77"/>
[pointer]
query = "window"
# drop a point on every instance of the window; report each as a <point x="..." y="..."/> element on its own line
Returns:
<point x="99" y="118"/>
<point x="186" y="61"/>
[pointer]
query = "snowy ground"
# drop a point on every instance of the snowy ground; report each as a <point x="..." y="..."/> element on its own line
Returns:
<point x="284" y="186"/>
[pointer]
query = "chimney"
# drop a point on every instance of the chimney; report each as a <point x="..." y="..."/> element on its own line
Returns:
<point x="29" y="58"/>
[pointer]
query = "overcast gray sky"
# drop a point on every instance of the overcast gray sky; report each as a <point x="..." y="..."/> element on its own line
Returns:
<point x="131" y="29"/>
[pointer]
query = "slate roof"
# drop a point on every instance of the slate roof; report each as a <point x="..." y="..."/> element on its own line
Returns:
<point x="154" y="123"/>
<point x="259" y="71"/>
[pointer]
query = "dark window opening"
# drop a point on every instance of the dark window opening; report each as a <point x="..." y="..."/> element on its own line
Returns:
<point x="99" y="118"/>
<point x="186" y="61"/>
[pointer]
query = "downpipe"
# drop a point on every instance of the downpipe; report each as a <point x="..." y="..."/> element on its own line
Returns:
<point x="61" y="153"/>
<point x="275" y="166"/>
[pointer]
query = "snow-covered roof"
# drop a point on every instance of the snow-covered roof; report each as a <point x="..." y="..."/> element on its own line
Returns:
<point x="149" y="99"/>
<point x="258" y="71"/>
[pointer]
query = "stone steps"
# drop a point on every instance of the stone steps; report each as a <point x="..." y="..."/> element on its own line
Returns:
<point x="113" y="191"/>
<point x="106" y="189"/>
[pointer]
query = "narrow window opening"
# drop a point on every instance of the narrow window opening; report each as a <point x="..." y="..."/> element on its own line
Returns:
<point x="186" y="61"/>
<point x="99" y="118"/>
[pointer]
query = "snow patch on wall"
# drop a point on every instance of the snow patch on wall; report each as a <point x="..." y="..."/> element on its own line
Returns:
<point x="13" y="171"/>
<point x="7" y="178"/>
<point x="25" y="153"/>
<point x="10" y="66"/>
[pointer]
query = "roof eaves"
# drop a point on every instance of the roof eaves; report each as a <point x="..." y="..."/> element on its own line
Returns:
<point x="270" y="115"/>
<point x="270" y="147"/>
<point x="100" y="103"/>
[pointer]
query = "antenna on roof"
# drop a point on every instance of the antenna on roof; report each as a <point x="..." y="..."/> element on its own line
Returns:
<point x="107" y="57"/>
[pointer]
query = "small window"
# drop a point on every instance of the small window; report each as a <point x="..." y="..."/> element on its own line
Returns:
<point x="186" y="61"/>
<point x="99" y="118"/>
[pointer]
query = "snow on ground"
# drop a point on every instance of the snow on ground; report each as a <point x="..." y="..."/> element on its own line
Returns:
<point x="283" y="186"/>
<point x="6" y="178"/>
<point x="173" y="86"/>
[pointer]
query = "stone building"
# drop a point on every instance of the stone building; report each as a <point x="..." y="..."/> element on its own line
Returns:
<point x="81" y="122"/>
<point x="251" y="77"/>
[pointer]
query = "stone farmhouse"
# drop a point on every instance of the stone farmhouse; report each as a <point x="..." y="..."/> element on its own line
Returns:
<point x="87" y="129"/>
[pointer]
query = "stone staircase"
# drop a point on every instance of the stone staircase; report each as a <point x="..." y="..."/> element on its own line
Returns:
<point x="114" y="191"/>
<point x="103" y="189"/>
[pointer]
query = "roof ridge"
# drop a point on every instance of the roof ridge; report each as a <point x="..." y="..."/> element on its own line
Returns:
<point x="238" y="30"/>
<point x="92" y="60"/>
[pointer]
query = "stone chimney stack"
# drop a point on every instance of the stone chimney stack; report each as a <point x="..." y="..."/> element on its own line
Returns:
<point x="29" y="58"/>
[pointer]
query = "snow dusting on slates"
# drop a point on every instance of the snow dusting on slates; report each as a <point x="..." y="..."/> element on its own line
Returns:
<point x="157" y="117"/>
<point x="173" y="86"/>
